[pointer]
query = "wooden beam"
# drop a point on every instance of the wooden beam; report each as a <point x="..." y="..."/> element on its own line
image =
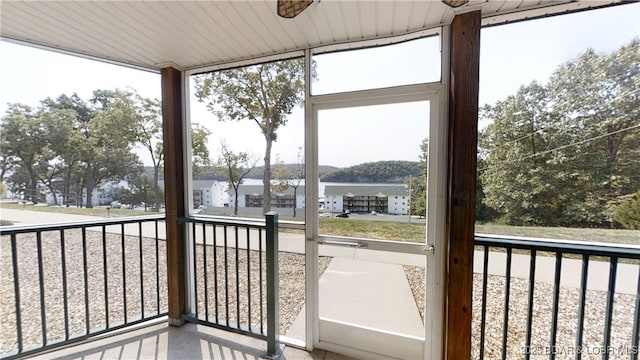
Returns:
<point x="174" y="185"/>
<point x="463" y="139"/>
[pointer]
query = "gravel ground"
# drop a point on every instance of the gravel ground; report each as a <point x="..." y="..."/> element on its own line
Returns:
<point x="291" y="285"/>
<point x="291" y="295"/>
<point x="153" y="282"/>
<point x="416" y="276"/>
<point x="594" y="315"/>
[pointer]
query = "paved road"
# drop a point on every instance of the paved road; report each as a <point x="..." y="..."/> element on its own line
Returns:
<point x="387" y="217"/>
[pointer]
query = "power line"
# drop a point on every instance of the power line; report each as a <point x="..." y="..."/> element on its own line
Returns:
<point x="568" y="145"/>
<point x="557" y="124"/>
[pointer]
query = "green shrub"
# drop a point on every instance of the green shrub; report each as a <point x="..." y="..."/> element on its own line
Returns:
<point x="5" y="222"/>
<point x="628" y="213"/>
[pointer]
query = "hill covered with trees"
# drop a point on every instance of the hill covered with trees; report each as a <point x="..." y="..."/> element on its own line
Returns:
<point x="375" y="172"/>
<point x="322" y="170"/>
<point x="210" y="173"/>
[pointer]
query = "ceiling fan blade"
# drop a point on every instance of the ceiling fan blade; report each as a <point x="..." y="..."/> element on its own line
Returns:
<point x="455" y="3"/>
<point x="292" y="8"/>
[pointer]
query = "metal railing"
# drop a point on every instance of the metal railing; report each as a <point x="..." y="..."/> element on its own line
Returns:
<point x="545" y="298"/>
<point x="63" y="283"/>
<point x="234" y="273"/>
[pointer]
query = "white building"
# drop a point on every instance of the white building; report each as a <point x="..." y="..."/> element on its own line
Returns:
<point x="210" y="193"/>
<point x="251" y="196"/>
<point x="366" y="198"/>
<point x="100" y="196"/>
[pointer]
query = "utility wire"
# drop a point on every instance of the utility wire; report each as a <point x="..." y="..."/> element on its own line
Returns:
<point x="559" y="123"/>
<point x="568" y="145"/>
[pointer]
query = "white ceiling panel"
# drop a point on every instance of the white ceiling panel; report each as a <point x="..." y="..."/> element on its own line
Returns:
<point x="194" y="34"/>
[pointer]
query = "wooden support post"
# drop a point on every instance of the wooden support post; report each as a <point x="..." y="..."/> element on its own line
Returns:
<point x="463" y="138"/>
<point x="172" y="126"/>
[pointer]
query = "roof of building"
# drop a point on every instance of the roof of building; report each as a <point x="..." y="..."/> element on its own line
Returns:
<point x="205" y="184"/>
<point x="201" y="184"/>
<point x="366" y="190"/>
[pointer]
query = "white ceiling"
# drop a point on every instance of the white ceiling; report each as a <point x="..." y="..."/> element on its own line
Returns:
<point x="193" y="34"/>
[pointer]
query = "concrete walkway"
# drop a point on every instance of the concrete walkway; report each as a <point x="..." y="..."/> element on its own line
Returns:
<point x="597" y="279"/>
<point x="368" y="294"/>
<point x="28" y="217"/>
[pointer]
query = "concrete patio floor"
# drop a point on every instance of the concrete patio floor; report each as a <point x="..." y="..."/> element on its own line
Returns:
<point x="158" y="340"/>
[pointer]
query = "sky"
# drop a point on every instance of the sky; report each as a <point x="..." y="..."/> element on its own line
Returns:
<point x="511" y="56"/>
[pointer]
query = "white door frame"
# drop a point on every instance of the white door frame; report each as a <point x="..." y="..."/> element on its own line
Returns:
<point x="435" y="94"/>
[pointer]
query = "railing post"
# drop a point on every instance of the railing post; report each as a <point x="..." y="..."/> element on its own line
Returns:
<point x="273" y="282"/>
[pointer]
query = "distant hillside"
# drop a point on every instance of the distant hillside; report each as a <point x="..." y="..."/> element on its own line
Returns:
<point x="375" y="172"/>
<point x="210" y="175"/>
<point x="258" y="172"/>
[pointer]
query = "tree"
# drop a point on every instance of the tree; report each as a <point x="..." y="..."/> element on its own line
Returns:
<point x="142" y="190"/>
<point x="7" y="161"/>
<point x="148" y="133"/>
<point x="236" y="166"/>
<point x="264" y="93"/>
<point x="561" y="153"/>
<point x="418" y="196"/>
<point x="290" y="178"/>
<point x="484" y="212"/>
<point x="597" y="94"/>
<point x="109" y="139"/>
<point x="71" y="146"/>
<point x="71" y="150"/>
<point x="57" y="142"/>
<point x="99" y="140"/>
<point x="23" y="128"/>
<point x="513" y="180"/>
<point x="199" y="151"/>
<point x="418" y="185"/>
<point x="20" y="183"/>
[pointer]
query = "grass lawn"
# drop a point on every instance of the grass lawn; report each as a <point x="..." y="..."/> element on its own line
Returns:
<point x="382" y="230"/>
<point x="98" y="211"/>
<point x="389" y="230"/>
<point x="595" y="235"/>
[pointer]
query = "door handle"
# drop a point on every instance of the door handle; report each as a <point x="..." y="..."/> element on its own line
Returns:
<point x="343" y="243"/>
